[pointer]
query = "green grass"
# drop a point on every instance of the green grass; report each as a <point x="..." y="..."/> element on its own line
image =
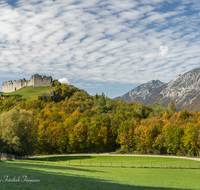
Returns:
<point x="118" y="161"/>
<point x="56" y="177"/>
<point x="29" y="92"/>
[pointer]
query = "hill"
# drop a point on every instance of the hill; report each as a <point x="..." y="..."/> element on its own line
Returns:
<point x="77" y="122"/>
<point x="29" y="92"/>
<point x="183" y="90"/>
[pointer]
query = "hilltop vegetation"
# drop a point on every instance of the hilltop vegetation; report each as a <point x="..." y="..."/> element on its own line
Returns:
<point x="79" y="123"/>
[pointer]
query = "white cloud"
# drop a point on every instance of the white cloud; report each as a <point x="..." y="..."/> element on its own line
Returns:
<point x="64" y="80"/>
<point x="109" y="40"/>
<point x="163" y="51"/>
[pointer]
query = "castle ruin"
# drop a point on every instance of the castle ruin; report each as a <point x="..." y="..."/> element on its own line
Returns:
<point x="35" y="80"/>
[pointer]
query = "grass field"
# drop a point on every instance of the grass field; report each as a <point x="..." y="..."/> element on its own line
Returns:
<point x="119" y="161"/>
<point x="53" y="176"/>
<point x="29" y="92"/>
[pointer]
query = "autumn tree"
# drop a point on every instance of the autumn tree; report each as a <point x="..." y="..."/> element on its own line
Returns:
<point x="142" y="110"/>
<point x="16" y="130"/>
<point x="159" y="108"/>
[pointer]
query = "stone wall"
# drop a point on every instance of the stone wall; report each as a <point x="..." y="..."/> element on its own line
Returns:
<point x="35" y="80"/>
<point x="39" y="80"/>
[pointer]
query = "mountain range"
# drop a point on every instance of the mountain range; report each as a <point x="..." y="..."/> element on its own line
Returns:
<point x="184" y="90"/>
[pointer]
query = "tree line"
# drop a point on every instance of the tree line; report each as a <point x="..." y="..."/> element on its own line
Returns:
<point x="77" y="122"/>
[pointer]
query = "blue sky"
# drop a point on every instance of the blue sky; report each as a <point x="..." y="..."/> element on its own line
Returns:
<point x="108" y="46"/>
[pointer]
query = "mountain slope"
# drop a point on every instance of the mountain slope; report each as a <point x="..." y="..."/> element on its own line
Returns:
<point x="142" y="92"/>
<point x="183" y="89"/>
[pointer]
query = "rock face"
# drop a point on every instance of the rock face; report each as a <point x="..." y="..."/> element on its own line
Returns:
<point x="142" y="92"/>
<point x="183" y="89"/>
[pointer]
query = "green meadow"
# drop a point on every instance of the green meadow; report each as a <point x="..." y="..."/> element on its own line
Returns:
<point x="29" y="92"/>
<point x="118" y="161"/>
<point x="60" y="175"/>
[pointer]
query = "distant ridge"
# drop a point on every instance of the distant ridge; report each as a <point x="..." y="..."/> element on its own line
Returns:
<point x="141" y="92"/>
<point x="183" y="89"/>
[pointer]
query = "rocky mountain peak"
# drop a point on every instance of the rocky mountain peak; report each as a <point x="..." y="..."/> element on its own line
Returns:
<point x="141" y="92"/>
<point x="183" y="89"/>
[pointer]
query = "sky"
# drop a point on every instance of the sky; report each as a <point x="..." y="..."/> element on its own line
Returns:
<point x="108" y="46"/>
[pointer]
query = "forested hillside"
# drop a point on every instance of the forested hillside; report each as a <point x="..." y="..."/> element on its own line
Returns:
<point x="79" y="123"/>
